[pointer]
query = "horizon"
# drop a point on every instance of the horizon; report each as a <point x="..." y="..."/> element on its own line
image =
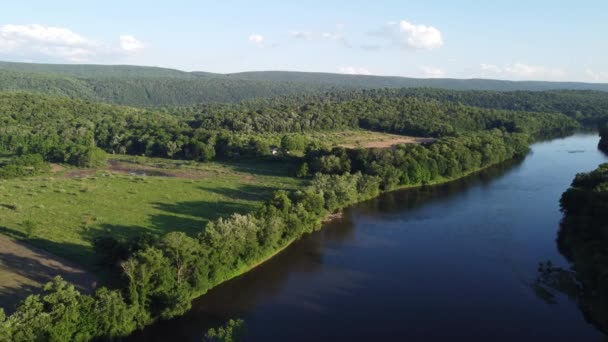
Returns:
<point x="436" y="39"/>
<point x="306" y="72"/>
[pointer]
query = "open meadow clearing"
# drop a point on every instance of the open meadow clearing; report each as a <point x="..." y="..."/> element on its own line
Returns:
<point x="62" y="212"/>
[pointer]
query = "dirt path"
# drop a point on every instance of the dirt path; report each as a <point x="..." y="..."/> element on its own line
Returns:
<point x="24" y="269"/>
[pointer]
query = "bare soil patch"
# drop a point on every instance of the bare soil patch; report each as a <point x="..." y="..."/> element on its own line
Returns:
<point x="80" y="173"/>
<point x="55" y="168"/>
<point x="388" y="141"/>
<point x="147" y="170"/>
<point x="25" y="269"/>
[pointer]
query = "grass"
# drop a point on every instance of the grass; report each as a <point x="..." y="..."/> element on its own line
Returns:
<point x="63" y="212"/>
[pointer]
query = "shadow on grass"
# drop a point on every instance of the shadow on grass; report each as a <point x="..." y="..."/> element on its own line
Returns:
<point x="191" y="217"/>
<point x="246" y="192"/>
<point x="27" y="259"/>
<point x="272" y="166"/>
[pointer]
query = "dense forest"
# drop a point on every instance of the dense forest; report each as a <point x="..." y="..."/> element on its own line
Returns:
<point x="582" y="240"/>
<point x="383" y="111"/>
<point x="75" y="131"/>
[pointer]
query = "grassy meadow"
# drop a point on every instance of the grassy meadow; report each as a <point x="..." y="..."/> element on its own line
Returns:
<point x="63" y="211"/>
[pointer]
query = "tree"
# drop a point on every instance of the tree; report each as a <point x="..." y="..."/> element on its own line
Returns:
<point x="302" y="170"/>
<point x="232" y="331"/>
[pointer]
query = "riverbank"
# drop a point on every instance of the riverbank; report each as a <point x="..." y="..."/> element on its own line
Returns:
<point x="336" y="214"/>
<point x="164" y="276"/>
<point x="387" y="258"/>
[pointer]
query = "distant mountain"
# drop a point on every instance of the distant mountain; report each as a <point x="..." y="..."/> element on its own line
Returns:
<point x="94" y="70"/>
<point x="140" y="86"/>
<point x="367" y="81"/>
<point x="153" y="86"/>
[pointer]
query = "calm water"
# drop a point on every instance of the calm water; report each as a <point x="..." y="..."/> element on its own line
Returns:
<point x="448" y="262"/>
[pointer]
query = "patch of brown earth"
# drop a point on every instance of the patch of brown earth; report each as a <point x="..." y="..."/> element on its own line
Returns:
<point x="25" y="269"/>
<point x="389" y="142"/>
<point x="80" y="173"/>
<point x="146" y="170"/>
<point x="56" y="168"/>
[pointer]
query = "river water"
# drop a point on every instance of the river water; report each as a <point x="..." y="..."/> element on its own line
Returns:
<point x="448" y="262"/>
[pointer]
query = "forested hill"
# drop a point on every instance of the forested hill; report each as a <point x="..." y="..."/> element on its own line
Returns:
<point x="95" y="70"/>
<point x="367" y="81"/>
<point x="149" y="91"/>
<point x="152" y="86"/>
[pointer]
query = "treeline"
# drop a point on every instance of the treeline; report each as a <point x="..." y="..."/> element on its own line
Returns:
<point x="394" y="114"/>
<point x="603" y="144"/>
<point x="413" y="164"/>
<point x="585" y="106"/>
<point x="583" y="241"/>
<point x="72" y="131"/>
<point x="25" y="165"/>
<point x="160" y="276"/>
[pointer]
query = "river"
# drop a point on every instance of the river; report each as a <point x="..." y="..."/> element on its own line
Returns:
<point x="451" y="262"/>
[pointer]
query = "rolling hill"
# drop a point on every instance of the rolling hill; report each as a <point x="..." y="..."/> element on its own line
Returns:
<point x="154" y="86"/>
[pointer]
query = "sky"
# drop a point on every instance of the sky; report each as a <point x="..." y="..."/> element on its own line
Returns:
<point x="562" y="40"/>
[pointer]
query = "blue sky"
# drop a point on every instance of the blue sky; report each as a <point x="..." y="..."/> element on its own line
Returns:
<point x="532" y="39"/>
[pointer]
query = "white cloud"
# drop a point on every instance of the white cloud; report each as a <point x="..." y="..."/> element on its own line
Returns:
<point x="352" y="70"/>
<point x="46" y="40"/>
<point x="336" y="37"/>
<point x="491" y="68"/>
<point x="333" y="36"/>
<point x="256" y="39"/>
<point x="532" y="71"/>
<point x="596" y="76"/>
<point x="433" y="72"/>
<point x="411" y="36"/>
<point x="34" y="41"/>
<point x="521" y="71"/>
<point x="421" y="36"/>
<point x="305" y="35"/>
<point x="42" y="34"/>
<point x="130" y="43"/>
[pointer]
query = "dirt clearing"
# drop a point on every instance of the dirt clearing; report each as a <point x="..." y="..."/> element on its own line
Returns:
<point x="25" y="269"/>
<point x="384" y="141"/>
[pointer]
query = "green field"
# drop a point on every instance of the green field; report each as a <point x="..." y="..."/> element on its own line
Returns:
<point x="64" y="211"/>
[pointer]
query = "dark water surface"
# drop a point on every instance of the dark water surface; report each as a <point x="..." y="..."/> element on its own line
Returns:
<point x="449" y="262"/>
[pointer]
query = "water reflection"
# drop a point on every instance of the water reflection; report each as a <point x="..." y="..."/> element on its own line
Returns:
<point x="399" y="201"/>
<point x="582" y="241"/>
<point x="253" y="290"/>
<point x="437" y="263"/>
<point x="585" y="280"/>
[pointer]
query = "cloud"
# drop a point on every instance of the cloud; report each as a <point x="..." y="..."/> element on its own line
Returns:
<point x="34" y="41"/>
<point x="521" y="71"/>
<point x="333" y="36"/>
<point x="352" y="70"/>
<point x="420" y="36"/>
<point x="305" y="35"/>
<point x="46" y="40"/>
<point x="256" y="39"/>
<point x="411" y="36"/>
<point x="596" y="76"/>
<point x="130" y="43"/>
<point x="491" y="68"/>
<point x="336" y="37"/>
<point x="432" y="72"/>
